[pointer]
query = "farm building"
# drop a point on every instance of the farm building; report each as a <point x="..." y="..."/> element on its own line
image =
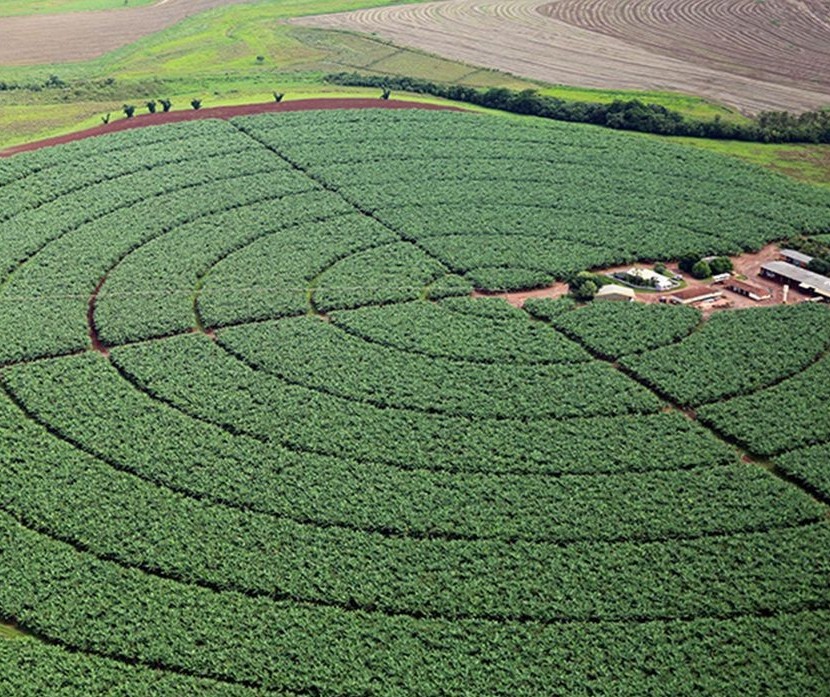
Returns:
<point x="796" y="258"/>
<point x="649" y="277"/>
<point x="615" y="292"/>
<point x="749" y="290"/>
<point x="690" y="296"/>
<point x="808" y="281"/>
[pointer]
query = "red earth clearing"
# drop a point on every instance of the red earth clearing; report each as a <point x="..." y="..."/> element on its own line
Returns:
<point x="747" y="265"/>
<point x="224" y="112"/>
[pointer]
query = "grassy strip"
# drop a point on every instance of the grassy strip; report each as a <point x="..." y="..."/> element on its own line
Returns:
<point x="242" y="54"/>
<point x="32" y="7"/>
<point x="9" y="631"/>
<point x="809" y="163"/>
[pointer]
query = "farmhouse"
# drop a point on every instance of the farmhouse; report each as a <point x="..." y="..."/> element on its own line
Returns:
<point x="796" y="258"/>
<point x="649" y="277"/>
<point x="614" y="292"/>
<point x="749" y="290"/>
<point x="809" y="281"/>
<point x="690" y="296"/>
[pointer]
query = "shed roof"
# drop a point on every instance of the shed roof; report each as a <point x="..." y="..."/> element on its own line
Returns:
<point x="805" y="278"/>
<point x="691" y="294"/>
<point x="760" y="291"/>
<point x="614" y="289"/>
<point x="798" y="256"/>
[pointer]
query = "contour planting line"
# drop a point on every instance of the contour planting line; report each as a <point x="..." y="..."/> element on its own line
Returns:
<point x="745" y="455"/>
<point x="382" y="531"/>
<point x="328" y="187"/>
<point x="351" y="606"/>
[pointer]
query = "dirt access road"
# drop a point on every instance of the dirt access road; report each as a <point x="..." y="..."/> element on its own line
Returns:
<point x="77" y="36"/>
<point x="748" y="54"/>
<point x="224" y="112"/>
<point x="748" y="265"/>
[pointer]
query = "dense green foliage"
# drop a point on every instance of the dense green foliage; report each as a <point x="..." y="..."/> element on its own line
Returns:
<point x="790" y="414"/>
<point x="630" y="115"/>
<point x="811" y="466"/>
<point x="737" y="352"/>
<point x="257" y="437"/>
<point x="616" y="329"/>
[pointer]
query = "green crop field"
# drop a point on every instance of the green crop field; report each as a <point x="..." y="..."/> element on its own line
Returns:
<point x="256" y="436"/>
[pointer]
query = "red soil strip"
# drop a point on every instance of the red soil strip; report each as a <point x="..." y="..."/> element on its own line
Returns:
<point x="748" y="265"/>
<point x="518" y="298"/>
<point x="224" y="112"/>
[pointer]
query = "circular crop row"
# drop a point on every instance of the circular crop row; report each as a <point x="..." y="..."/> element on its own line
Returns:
<point x="256" y="432"/>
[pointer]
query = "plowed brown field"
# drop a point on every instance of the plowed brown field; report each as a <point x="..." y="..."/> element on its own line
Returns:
<point x="751" y="55"/>
<point x="76" y="36"/>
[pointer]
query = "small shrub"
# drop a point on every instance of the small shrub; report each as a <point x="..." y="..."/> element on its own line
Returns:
<point x="278" y="96"/>
<point x="720" y="265"/>
<point x="196" y="103"/>
<point x="151" y="106"/>
<point x="260" y="59"/>
<point x="385" y="94"/>
<point x="129" y="110"/>
<point x="105" y="119"/>
<point x="166" y="105"/>
<point x="701" y="270"/>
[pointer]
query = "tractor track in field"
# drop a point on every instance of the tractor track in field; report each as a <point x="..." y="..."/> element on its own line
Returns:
<point x="751" y="55"/>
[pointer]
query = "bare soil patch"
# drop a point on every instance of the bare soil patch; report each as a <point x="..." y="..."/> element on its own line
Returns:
<point x="748" y="265"/>
<point x="224" y="112"/>
<point x="785" y="41"/>
<point x="714" y="52"/>
<point x="77" y="36"/>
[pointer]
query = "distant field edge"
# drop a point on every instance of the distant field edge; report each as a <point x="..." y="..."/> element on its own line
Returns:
<point x="225" y="112"/>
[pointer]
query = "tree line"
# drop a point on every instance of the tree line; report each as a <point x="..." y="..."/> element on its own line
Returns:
<point x="629" y="115"/>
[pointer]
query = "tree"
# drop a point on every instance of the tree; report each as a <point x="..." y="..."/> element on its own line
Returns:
<point x="687" y="261"/>
<point x="151" y="106"/>
<point x="585" y="291"/>
<point x="105" y="119"/>
<point x="584" y="285"/>
<point x="166" y="104"/>
<point x="701" y="269"/>
<point x="661" y="269"/>
<point x="819" y="265"/>
<point x="278" y="96"/>
<point x="386" y="92"/>
<point x="196" y="103"/>
<point x="129" y="110"/>
<point x="720" y="265"/>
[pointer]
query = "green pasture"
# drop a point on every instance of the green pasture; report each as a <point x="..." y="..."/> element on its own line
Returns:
<point x="32" y="7"/>
<point x="238" y="53"/>
<point x="244" y="53"/>
<point x="809" y="163"/>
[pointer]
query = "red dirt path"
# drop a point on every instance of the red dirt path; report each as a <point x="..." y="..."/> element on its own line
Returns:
<point x="748" y="265"/>
<point x="224" y="112"/>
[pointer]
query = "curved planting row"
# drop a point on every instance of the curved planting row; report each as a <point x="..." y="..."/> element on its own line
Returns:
<point x="257" y="438"/>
